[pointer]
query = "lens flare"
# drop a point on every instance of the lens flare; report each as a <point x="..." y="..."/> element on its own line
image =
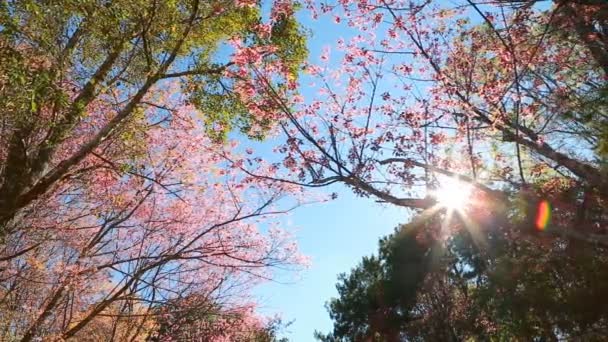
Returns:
<point x="543" y="215"/>
<point x="453" y="193"/>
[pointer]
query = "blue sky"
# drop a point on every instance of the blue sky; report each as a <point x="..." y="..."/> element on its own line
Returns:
<point x="335" y="234"/>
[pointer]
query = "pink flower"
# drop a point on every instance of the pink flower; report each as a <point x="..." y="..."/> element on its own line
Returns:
<point x="245" y="3"/>
<point x="325" y="54"/>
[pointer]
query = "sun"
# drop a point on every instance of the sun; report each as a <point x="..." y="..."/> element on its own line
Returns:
<point x="452" y="193"/>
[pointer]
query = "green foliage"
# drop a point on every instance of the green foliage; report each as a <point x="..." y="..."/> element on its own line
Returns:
<point x="376" y="298"/>
<point x="145" y="34"/>
<point x="507" y="290"/>
<point x="24" y="87"/>
<point x="224" y="110"/>
<point x="290" y="39"/>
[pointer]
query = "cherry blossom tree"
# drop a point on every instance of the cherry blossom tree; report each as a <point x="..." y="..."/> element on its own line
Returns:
<point x="507" y="97"/>
<point x="115" y="193"/>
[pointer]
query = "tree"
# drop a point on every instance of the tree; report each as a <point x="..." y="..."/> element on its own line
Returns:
<point x="376" y="299"/>
<point x="115" y="196"/>
<point x="505" y="95"/>
<point x="510" y="290"/>
<point x="207" y="322"/>
<point x="116" y="53"/>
